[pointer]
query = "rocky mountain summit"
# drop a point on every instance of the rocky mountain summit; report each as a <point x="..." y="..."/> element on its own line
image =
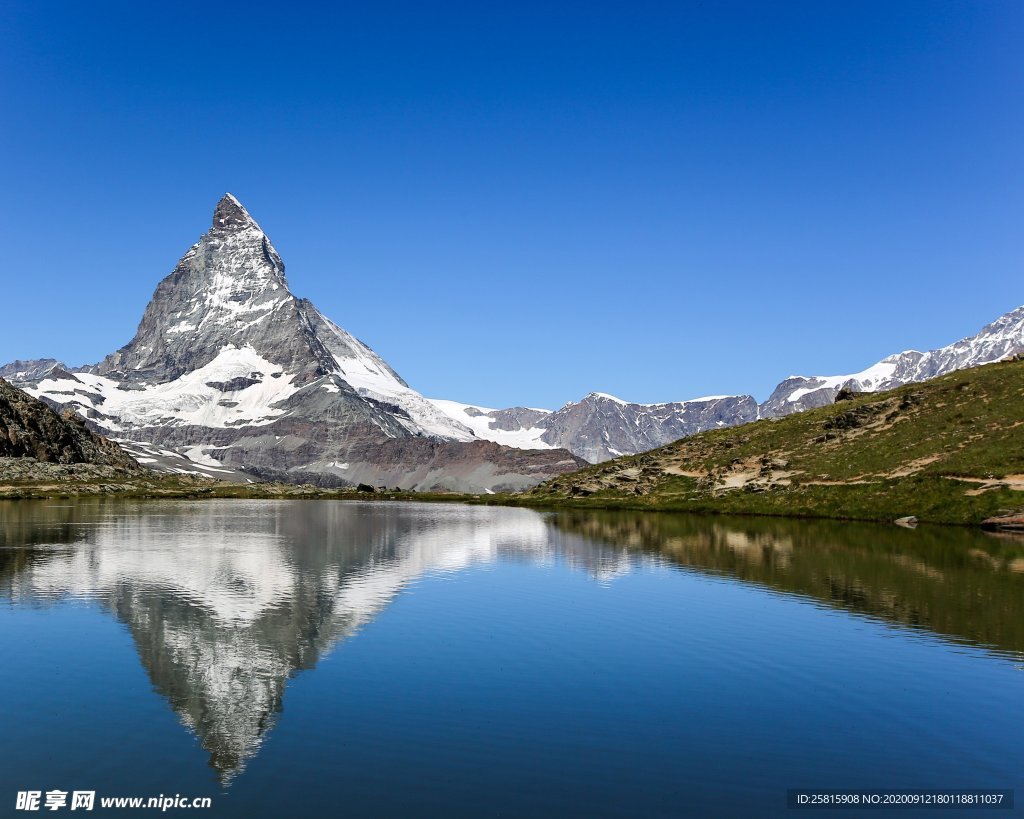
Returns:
<point x="29" y="370"/>
<point x="229" y="369"/>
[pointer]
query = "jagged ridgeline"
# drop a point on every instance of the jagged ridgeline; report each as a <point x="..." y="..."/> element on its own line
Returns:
<point x="233" y="371"/>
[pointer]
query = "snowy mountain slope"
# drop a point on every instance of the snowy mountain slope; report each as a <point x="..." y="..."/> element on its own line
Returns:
<point x="372" y="377"/>
<point x="189" y="462"/>
<point x="1001" y="339"/>
<point x="228" y="368"/>
<point x="517" y="426"/>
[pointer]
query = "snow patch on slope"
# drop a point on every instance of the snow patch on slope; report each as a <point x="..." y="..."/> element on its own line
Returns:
<point x="368" y="374"/>
<point x="869" y="379"/>
<point x="996" y="341"/>
<point x="481" y="421"/>
<point x="191" y="400"/>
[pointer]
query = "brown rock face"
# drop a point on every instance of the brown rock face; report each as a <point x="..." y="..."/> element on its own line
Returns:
<point x="1005" y="523"/>
<point x="230" y="214"/>
<point x="31" y="429"/>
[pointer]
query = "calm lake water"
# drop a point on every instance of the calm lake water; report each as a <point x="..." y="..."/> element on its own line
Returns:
<point x="303" y="658"/>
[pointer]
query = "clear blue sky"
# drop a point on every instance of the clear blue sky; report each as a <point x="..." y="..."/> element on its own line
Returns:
<point x="520" y="203"/>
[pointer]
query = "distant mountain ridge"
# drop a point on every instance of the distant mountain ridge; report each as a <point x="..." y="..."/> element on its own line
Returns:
<point x="947" y="450"/>
<point x="600" y="427"/>
<point x="997" y="341"/>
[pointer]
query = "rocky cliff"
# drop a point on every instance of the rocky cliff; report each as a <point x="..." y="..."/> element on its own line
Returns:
<point x="31" y="429"/>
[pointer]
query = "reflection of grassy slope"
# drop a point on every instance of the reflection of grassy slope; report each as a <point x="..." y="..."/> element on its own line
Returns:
<point x="876" y="457"/>
<point x="957" y="583"/>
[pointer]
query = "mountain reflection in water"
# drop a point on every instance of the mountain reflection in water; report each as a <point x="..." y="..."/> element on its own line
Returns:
<point x="227" y="600"/>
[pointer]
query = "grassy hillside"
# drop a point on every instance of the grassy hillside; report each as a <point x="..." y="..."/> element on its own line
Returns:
<point x="949" y="450"/>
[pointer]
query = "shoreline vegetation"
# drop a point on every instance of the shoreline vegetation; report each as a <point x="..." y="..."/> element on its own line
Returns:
<point x="946" y="451"/>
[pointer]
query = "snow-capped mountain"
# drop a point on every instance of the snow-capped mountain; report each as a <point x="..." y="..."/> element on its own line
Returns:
<point x="21" y="371"/>
<point x="1001" y="339"/>
<point x="225" y="322"/>
<point x="229" y="368"/>
<point x="230" y="371"/>
<point x="600" y="426"/>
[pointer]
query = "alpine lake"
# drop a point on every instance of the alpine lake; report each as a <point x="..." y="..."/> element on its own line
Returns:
<point x="330" y="658"/>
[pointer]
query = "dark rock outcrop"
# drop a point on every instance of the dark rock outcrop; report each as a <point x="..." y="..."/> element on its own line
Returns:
<point x="31" y="429"/>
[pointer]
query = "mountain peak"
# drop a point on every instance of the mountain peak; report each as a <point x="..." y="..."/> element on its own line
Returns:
<point x="605" y="397"/>
<point x="231" y="215"/>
